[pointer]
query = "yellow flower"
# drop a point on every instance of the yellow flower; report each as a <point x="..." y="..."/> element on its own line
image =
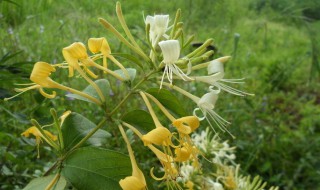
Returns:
<point x="100" y="45"/>
<point x="131" y="183"/>
<point x="137" y="180"/>
<point x="37" y="134"/>
<point x="186" y="125"/>
<point x="182" y="154"/>
<point x="158" y="136"/>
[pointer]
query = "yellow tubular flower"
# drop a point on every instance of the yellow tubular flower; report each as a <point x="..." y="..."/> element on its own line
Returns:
<point x="158" y="136"/>
<point x="131" y="183"/>
<point x="182" y="154"/>
<point x="137" y="180"/>
<point x="166" y="160"/>
<point x="100" y="45"/>
<point x="78" y="52"/>
<point x="72" y="54"/>
<point x="186" y="125"/>
<point x="37" y="134"/>
<point x="40" y="75"/>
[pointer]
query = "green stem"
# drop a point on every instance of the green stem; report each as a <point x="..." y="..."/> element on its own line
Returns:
<point x="131" y="92"/>
<point x="53" y="181"/>
<point x="44" y="135"/>
<point x="57" y="125"/>
<point x="109" y="27"/>
<point x="84" y="139"/>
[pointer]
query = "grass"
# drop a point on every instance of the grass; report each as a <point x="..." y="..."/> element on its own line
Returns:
<point x="277" y="130"/>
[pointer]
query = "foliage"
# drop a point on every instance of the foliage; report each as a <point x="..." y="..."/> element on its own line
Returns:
<point x="277" y="131"/>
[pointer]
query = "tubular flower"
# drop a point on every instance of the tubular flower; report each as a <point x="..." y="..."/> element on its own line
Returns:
<point x="205" y="104"/>
<point x="100" y="45"/>
<point x="158" y="136"/>
<point x="171" y="52"/>
<point x="215" y="79"/>
<point x="166" y="160"/>
<point x="40" y="75"/>
<point x="77" y="52"/>
<point x="37" y="134"/>
<point x="158" y="27"/>
<point x="182" y="154"/>
<point x="186" y="125"/>
<point x="137" y="180"/>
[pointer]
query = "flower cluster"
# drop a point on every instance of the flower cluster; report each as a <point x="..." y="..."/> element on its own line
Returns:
<point x="174" y="140"/>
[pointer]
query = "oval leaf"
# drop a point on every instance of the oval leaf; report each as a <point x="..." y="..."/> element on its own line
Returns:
<point x="132" y="73"/>
<point x="42" y="182"/>
<point x="96" y="168"/>
<point x="168" y="100"/>
<point x="76" y="126"/>
<point x="104" y="86"/>
<point x="141" y="119"/>
<point x="129" y="58"/>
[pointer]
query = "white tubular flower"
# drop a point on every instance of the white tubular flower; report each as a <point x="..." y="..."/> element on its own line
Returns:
<point x="158" y="27"/>
<point x="171" y="52"/>
<point x="215" y="78"/>
<point x="206" y="104"/>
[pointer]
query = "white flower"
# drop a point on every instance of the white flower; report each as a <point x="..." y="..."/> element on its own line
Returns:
<point x="186" y="172"/>
<point x="206" y="105"/>
<point x="213" y="185"/>
<point x="215" y="78"/>
<point x="171" y="53"/>
<point x="158" y="27"/>
<point x="218" y="152"/>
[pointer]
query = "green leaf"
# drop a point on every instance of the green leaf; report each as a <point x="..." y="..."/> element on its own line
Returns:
<point x="76" y="127"/>
<point x="42" y="182"/>
<point x="104" y="86"/>
<point x="96" y="168"/>
<point x="129" y="58"/>
<point x="168" y="100"/>
<point x="141" y="119"/>
<point x="132" y="73"/>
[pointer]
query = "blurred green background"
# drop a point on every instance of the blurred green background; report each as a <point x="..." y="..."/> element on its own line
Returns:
<point x="274" y="44"/>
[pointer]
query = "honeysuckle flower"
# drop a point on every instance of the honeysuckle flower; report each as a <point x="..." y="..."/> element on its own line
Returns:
<point x="37" y="134"/>
<point x="182" y="154"/>
<point x="215" y="76"/>
<point x="206" y="105"/>
<point x="210" y="184"/>
<point x="158" y="136"/>
<point x="41" y="77"/>
<point x="211" y="147"/>
<point x="186" y="125"/>
<point x="73" y="54"/>
<point x="100" y="45"/>
<point x="166" y="159"/>
<point x="137" y="180"/>
<point x="171" y="52"/>
<point x="158" y="27"/>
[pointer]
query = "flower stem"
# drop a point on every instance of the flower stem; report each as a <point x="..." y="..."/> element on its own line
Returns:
<point x="53" y="182"/>
<point x="131" y="92"/>
<point x="57" y="125"/>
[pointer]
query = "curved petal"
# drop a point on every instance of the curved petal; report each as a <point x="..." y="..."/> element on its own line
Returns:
<point x="170" y="50"/>
<point x="131" y="183"/>
<point x="158" y="136"/>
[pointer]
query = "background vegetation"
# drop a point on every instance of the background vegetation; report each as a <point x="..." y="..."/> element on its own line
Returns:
<point x="274" y="44"/>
